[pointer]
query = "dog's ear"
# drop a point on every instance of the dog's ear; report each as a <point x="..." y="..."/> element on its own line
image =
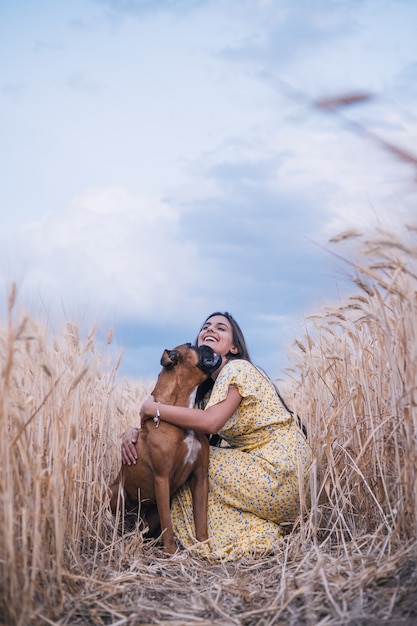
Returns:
<point x="169" y="358"/>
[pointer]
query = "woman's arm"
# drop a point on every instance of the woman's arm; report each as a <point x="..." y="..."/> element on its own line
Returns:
<point x="208" y="421"/>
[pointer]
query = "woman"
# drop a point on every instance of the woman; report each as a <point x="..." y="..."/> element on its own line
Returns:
<point x="254" y="481"/>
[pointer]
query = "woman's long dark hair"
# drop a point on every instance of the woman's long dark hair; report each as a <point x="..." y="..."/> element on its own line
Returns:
<point x="242" y="353"/>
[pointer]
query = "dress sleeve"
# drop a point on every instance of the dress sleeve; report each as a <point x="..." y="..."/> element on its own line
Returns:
<point x="236" y="373"/>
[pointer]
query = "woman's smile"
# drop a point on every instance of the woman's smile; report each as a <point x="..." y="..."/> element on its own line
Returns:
<point x="210" y="338"/>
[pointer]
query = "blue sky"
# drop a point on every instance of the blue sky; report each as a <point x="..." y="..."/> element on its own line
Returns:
<point x="164" y="159"/>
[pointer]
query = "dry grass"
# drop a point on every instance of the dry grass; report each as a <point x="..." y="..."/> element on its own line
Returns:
<point x="351" y="558"/>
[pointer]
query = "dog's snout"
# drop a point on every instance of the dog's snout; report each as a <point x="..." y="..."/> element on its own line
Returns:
<point x="209" y="360"/>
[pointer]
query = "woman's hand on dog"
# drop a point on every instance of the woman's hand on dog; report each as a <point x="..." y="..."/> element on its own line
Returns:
<point x="129" y="438"/>
<point x="147" y="410"/>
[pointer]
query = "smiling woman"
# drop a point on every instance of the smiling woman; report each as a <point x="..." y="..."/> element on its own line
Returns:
<point x="254" y="478"/>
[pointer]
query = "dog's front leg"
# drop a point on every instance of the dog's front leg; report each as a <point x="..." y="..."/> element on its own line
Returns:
<point x="163" y="501"/>
<point x="199" y="492"/>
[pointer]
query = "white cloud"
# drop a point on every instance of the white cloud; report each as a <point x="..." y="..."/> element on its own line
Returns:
<point x="114" y="249"/>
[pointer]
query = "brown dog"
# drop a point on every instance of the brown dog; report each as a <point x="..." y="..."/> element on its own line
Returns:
<point x="168" y="455"/>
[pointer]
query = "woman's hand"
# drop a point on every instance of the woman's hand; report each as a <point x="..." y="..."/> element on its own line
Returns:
<point x="129" y="438"/>
<point x="147" y="410"/>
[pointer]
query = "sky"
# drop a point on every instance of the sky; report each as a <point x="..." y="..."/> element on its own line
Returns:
<point x="165" y="159"/>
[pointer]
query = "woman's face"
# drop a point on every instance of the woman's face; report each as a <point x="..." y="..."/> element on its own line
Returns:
<point x="218" y="334"/>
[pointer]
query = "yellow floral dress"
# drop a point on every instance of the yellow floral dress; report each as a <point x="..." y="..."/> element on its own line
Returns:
<point x="254" y="484"/>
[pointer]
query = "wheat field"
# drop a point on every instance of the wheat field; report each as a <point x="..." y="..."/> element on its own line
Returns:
<point x="351" y="556"/>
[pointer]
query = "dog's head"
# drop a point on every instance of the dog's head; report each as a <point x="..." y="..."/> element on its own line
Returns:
<point x="183" y="369"/>
<point x="203" y="357"/>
